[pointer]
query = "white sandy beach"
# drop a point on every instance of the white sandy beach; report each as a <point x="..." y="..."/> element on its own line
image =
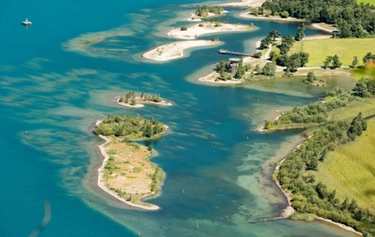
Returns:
<point x="244" y="3"/>
<point x="175" y="50"/>
<point x="194" y="31"/>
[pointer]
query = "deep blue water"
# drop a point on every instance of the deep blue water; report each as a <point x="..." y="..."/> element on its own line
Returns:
<point x="51" y="95"/>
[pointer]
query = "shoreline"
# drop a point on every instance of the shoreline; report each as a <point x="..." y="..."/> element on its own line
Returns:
<point x="102" y="185"/>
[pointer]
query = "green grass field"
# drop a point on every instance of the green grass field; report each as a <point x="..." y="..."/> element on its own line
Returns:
<point x="346" y="49"/>
<point x="350" y="169"/>
<point x="372" y="2"/>
<point x="366" y="106"/>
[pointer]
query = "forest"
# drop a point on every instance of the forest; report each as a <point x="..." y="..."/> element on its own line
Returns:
<point x="129" y="127"/>
<point x="351" y="18"/>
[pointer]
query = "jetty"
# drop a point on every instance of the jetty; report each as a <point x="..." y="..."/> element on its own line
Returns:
<point x="225" y="51"/>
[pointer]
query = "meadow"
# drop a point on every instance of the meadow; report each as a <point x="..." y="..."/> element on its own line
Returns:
<point x="372" y="2"/>
<point x="350" y="169"/>
<point x="346" y="49"/>
<point x="364" y="105"/>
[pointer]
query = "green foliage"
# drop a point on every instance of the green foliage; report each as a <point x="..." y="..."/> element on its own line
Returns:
<point x="354" y="62"/>
<point x="352" y="19"/>
<point x="269" y="69"/>
<point x="257" y="54"/>
<point x="365" y="88"/>
<point x="300" y="33"/>
<point x="316" y="112"/>
<point x="368" y="56"/>
<point x="332" y="62"/>
<point x="204" y="10"/>
<point x="129" y="127"/>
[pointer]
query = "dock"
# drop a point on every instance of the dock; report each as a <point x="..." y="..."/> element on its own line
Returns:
<point x="225" y="51"/>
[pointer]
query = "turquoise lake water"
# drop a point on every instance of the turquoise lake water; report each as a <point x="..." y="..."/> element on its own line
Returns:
<point x="52" y="90"/>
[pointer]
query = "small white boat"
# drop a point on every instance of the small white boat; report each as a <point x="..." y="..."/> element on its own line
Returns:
<point x="26" y="22"/>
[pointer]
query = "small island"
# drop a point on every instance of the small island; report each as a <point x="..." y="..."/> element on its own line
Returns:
<point x="137" y="101"/>
<point x="127" y="173"/>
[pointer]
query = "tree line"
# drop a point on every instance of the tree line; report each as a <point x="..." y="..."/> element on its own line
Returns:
<point x="351" y="18"/>
<point x="312" y="197"/>
<point x="129" y="127"/>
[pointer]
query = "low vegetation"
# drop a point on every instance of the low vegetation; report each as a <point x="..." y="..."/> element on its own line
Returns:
<point x="319" y="50"/>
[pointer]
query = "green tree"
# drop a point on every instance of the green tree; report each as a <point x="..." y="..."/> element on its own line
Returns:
<point x="269" y="69"/>
<point x="336" y="62"/>
<point x="354" y="62"/>
<point x="274" y="34"/>
<point x="300" y="33"/>
<point x="327" y="61"/>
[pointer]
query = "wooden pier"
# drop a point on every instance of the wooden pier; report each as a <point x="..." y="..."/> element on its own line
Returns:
<point x="225" y="51"/>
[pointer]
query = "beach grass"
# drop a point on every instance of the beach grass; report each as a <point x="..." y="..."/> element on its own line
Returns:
<point x="350" y="169"/>
<point x="372" y="2"/>
<point x="346" y="49"/>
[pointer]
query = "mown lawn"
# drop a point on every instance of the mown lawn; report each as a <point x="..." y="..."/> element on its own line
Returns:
<point x="350" y="169"/>
<point x="346" y="49"/>
<point x="372" y="2"/>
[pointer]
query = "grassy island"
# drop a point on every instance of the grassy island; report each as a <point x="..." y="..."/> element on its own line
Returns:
<point x="127" y="172"/>
<point x="316" y="175"/>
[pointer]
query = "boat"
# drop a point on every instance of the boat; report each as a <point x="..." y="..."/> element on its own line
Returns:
<point x="26" y="22"/>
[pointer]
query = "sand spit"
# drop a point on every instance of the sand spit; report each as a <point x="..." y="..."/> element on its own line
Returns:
<point x="175" y="50"/>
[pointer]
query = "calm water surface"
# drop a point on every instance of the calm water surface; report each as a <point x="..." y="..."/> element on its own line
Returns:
<point x="53" y="87"/>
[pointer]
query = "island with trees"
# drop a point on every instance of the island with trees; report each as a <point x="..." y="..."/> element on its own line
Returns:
<point x="131" y="99"/>
<point x="127" y="172"/>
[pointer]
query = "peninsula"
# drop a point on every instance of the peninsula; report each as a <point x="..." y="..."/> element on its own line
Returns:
<point x="126" y="173"/>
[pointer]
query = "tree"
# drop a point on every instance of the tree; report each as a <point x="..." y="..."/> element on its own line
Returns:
<point x="274" y="55"/>
<point x="310" y="77"/>
<point x="300" y="32"/>
<point x="265" y="42"/>
<point x="304" y="58"/>
<point x="274" y="34"/>
<point x="367" y="57"/>
<point x="148" y="131"/>
<point x="269" y="69"/>
<point x="354" y="62"/>
<point x="336" y="62"/>
<point x="328" y="61"/>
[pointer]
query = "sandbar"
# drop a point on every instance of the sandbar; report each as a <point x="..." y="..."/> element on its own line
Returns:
<point x="196" y="30"/>
<point x="175" y="50"/>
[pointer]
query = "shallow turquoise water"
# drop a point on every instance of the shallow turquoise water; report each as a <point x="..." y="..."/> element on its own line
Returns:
<point x="51" y="95"/>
